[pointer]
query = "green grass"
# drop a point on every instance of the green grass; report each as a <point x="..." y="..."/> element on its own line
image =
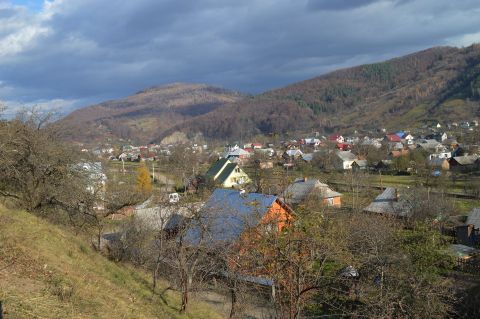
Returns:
<point x="466" y="205"/>
<point x="47" y="272"/>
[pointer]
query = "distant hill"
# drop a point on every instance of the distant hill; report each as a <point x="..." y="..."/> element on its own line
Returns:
<point x="438" y="84"/>
<point x="142" y="116"/>
<point x="48" y="272"/>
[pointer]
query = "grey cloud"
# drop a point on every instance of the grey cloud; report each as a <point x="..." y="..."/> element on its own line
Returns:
<point x="92" y="50"/>
<point x="338" y="4"/>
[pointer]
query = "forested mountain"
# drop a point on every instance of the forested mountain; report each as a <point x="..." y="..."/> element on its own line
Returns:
<point x="142" y="116"/>
<point x="438" y="84"/>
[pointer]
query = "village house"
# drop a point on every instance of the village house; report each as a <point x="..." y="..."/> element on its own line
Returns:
<point x="343" y="160"/>
<point x="446" y="155"/>
<point x="439" y="163"/>
<point x="439" y="137"/>
<point x="465" y="124"/>
<point x="336" y="138"/>
<point x="237" y="155"/>
<point x="469" y="233"/>
<point x="304" y="189"/>
<point x="401" y="134"/>
<point x="292" y="154"/>
<point x="312" y="142"/>
<point x="451" y="143"/>
<point x="392" y="138"/>
<point x="255" y="146"/>
<point x="359" y="165"/>
<point x="236" y="218"/>
<point x="390" y="203"/>
<point x="230" y="214"/>
<point x="464" y="164"/>
<point x="377" y="143"/>
<point x="431" y="145"/>
<point x="227" y="174"/>
<point x="307" y="157"/>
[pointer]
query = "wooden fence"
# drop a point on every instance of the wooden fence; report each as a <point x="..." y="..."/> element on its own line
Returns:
<point x="469" y="266"/>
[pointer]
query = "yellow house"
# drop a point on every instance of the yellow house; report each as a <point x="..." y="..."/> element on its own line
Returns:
<point x="227" y="174"/>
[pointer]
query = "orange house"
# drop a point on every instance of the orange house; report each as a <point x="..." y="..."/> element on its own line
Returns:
<point x="229" y="213"/>
<point x="243" y="223"/>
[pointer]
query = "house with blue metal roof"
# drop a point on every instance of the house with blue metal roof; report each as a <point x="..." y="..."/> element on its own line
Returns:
<point x="228" y="214"/>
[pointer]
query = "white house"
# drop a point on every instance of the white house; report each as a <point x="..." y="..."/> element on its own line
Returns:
<point x="344" y="160"/>
<point x="440" y="155"/>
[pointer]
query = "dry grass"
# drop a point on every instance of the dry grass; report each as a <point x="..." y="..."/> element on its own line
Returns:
<point x="46" y="272"/>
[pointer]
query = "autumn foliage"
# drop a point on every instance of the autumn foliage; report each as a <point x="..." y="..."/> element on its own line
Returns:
<point x="144" y="183"/>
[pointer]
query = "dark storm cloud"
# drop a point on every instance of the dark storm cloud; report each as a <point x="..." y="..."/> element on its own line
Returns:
<point x="79" y="51"/>
<point x="338" y="4"/>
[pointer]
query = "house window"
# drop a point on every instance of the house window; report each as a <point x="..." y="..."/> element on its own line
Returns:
<point x="237" y="170"/>
<point x="330" y="201"/>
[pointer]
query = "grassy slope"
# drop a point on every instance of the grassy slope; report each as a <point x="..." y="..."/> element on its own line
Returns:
<point x="46" y="272"/>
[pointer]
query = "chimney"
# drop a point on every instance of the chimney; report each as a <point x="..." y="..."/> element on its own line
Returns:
<point x="242" y="191"/>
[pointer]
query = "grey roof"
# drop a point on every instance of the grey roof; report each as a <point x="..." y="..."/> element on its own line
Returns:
<point x="237" y="152"/>
<point x="474" y="218"/>
<point x="389" y="203"/>
<point x="466" y="159"/>
<point x="300" y="189"/>
<point x="307" y="157"/>
<point x="346" y="155"/>
<point x="361" y="163"/>
<point x="428" y="144"/>
<point x="294" y="152"/>
<point x="157" y="218"/>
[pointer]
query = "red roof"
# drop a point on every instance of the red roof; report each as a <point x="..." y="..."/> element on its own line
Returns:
<point x="334" y="137"/>
<point x="393" y="138"/>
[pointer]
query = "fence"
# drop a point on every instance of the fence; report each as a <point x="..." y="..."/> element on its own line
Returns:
<point x="469" y="266"/>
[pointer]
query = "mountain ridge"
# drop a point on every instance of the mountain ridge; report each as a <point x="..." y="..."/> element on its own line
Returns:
<point x="436" y="84"/>
<point x="138" y="116"/>
<point x="440" y="83"/>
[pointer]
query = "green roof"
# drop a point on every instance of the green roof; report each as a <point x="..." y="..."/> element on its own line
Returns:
<point x="216" y="167"/>
<point x="226" y="172"/>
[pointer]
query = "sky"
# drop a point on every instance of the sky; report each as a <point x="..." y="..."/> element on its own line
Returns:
<point x="65" y="54"/>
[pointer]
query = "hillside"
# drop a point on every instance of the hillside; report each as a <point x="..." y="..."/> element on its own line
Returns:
<point x="438" y="84"/>
<point x="142" y="116"/>
<point x="47" y="272"/>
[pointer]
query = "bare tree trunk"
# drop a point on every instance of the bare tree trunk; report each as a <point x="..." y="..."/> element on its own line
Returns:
<point x="184" y="294"/>
<point x="155" y="276"/>
<point x="233" y="295"/>
<point x="99" y="237"/>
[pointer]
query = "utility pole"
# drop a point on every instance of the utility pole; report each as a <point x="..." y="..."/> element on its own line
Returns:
<point x="153" y="171"/>
<point x="123" y="166"/>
